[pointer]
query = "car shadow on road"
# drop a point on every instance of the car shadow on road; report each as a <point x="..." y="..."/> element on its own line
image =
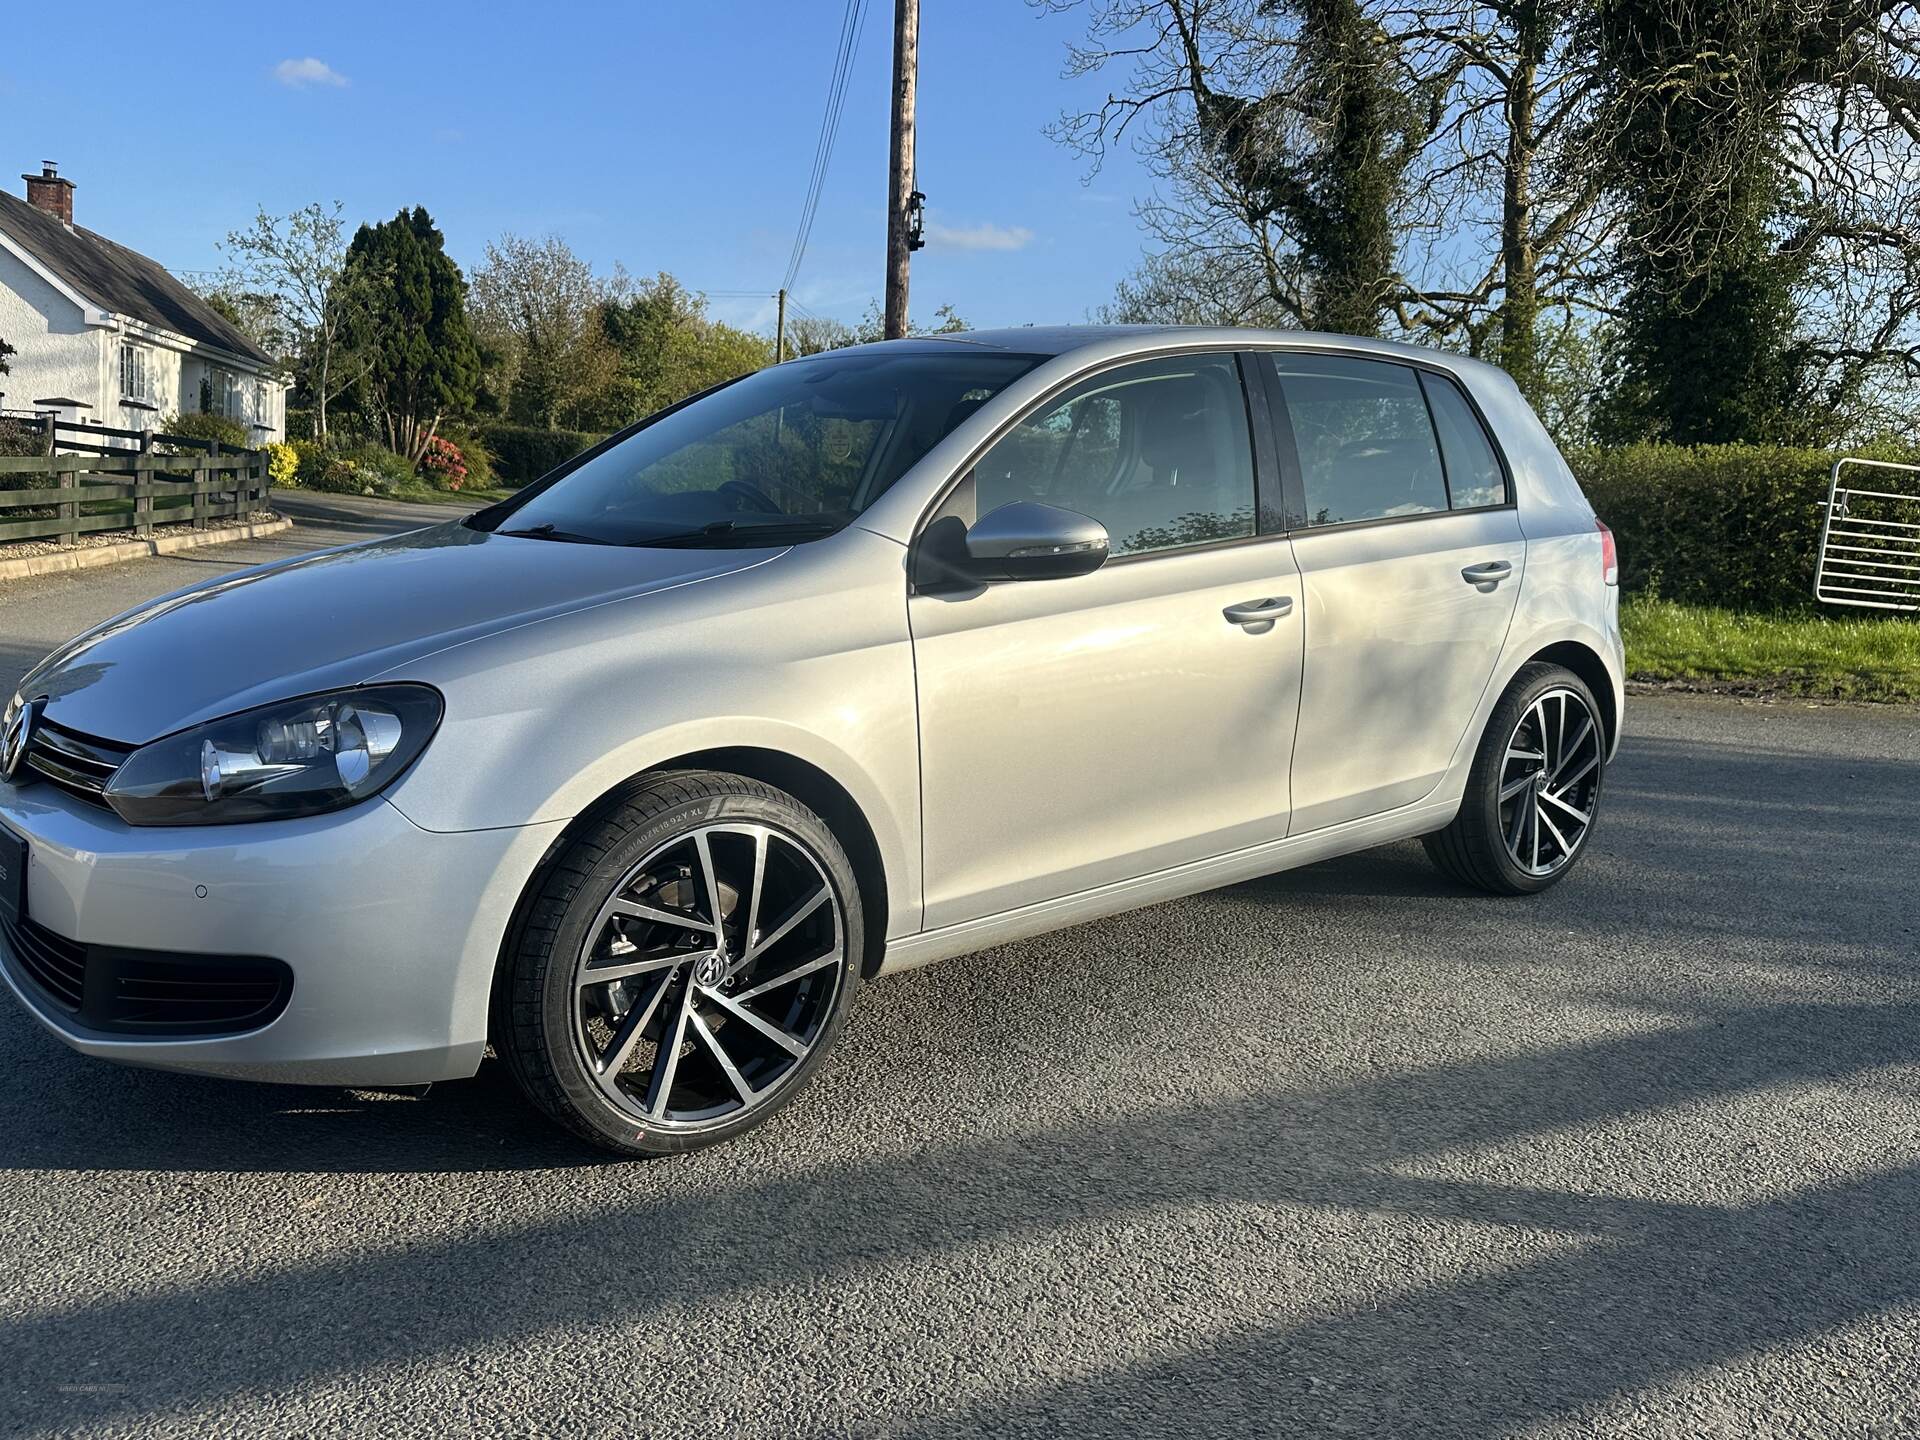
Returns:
<point x="1639" y="1291"/>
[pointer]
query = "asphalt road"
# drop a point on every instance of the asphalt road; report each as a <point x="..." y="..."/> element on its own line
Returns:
<point x="1344" y="1151"/>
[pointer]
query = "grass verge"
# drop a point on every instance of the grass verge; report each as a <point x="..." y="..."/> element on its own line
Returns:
<point x="1837" y="656"/>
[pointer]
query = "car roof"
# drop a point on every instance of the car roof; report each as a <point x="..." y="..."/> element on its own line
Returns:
<point x="1055" y="340"/>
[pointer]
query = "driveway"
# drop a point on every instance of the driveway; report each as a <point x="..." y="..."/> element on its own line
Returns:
<point x="1343" y="1151"/>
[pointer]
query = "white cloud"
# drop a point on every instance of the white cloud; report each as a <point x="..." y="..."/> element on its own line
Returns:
<point x="299" y="74"/>
<point x="984" y="236"/>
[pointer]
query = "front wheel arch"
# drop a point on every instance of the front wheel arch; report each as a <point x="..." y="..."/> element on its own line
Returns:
<point x="806" y="782"/>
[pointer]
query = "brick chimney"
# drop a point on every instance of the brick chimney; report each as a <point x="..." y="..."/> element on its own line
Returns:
<point x="49" y="192"/>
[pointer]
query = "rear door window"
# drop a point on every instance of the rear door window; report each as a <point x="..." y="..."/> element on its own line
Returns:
<point x="1366" y="444"/>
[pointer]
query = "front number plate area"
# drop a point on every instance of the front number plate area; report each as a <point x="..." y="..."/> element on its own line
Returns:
<point x="13" y="876"/>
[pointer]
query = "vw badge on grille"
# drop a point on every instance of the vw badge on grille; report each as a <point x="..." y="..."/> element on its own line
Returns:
<point x="13" y="745"/>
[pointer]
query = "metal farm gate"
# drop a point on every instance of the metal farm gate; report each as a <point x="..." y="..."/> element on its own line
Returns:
<point x="1870" y="539"/>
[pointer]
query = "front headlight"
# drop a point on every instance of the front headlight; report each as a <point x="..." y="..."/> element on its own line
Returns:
<point x="300" y="757"/>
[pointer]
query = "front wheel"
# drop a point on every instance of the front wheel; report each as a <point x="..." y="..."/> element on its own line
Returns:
<point x="1534" y="791"/>
<point x="685" y="967"/>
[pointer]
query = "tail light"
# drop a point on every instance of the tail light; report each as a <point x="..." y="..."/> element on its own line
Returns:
<point x="1609" y="555"/>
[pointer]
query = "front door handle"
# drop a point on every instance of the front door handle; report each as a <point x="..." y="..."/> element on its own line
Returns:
<point x="1259" y="612"/>
<point x="1490" y="573"/>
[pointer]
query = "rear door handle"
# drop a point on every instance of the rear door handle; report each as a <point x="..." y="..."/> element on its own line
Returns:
<point x="1258" y="612"/>
<point x="1489" y="573"/>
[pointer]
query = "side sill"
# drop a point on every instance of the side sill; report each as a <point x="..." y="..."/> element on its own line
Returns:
<point x="913" y="951"/>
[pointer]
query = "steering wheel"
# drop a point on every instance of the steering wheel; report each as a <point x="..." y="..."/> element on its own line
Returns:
<point x="751" y="496"/>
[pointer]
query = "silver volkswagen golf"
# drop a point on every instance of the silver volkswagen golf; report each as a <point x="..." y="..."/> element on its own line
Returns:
<point x="853" y="664"/>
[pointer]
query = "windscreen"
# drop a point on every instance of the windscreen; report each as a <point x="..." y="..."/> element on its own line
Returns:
<point x="790" y="453"/>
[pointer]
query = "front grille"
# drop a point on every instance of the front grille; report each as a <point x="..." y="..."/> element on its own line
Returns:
<point x="148" y="992"/>
<point x="78" y="764"/>
<point x="56" y="965"/>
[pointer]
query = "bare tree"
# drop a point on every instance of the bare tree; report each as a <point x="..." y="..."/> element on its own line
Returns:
<point x="1504" y="223"/>
<point x="1191" y="286"/>
<point x="298" y="259"/>
<point x="1282" y="130"/>
<point x="1488" y="229"/>
<point x="1767" y="153"/>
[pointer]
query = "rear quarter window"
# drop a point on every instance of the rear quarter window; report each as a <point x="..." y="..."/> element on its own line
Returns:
<point x="1474" y="476"/>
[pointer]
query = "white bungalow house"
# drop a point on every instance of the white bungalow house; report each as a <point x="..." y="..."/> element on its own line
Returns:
<point x="106" y="336"/>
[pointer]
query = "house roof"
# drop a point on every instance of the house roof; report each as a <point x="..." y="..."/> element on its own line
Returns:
<point x="121" y="280"/>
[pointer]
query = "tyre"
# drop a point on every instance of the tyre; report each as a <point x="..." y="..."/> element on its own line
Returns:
<point x="684" y="967"/>
<point x="1534" y="790"/>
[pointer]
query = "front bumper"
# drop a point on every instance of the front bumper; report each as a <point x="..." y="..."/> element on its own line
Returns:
<point x="392" y="931"/>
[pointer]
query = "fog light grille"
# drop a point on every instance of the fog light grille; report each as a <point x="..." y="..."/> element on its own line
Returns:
<point x="58" y="967"/>
<point x="146" y="992"/>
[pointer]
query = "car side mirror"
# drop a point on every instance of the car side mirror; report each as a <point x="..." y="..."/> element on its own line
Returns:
<point x="1025" y="540"/>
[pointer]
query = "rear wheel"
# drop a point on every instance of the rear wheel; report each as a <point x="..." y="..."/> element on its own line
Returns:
<point x="1534" y="791"/>
<point x="685" y="967"/>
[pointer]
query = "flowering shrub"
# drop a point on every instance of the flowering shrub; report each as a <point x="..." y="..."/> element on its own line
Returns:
<point x="283" y="463"/>
<point x="443" y="464"/>
<point x="363" y="470"/>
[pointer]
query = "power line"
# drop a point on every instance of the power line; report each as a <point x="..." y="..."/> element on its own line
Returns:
<point x="829" y="131"/>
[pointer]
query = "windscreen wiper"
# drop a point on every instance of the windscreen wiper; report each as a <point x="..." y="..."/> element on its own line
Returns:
<point x="772" y="530"/>
<point x="548" y="532"/>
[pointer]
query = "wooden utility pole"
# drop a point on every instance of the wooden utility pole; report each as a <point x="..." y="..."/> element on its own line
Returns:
<point x="906" y="69"/>
<point x="780" y="331"/>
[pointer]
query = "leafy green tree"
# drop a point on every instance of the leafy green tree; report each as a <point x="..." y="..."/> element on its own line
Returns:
<point x="815" y="334"/>
<point x="667" y="348"/>
<point x="536" y="312"/>
<point x="406" y="307"/>
<point x="1707" y="348"/>
<point x="6" y="350"/>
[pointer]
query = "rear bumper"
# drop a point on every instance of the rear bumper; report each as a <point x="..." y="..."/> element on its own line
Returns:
<point x="392" y="932"/>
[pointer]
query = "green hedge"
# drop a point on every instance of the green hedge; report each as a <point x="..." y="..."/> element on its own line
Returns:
<point x="231" y="434"/>
<point x="525" y="452"/>
<point x="1732" y="525"/>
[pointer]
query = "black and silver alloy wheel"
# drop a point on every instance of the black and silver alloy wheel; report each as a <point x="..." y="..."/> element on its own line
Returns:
<point x="1549" y="779"/>
<point x="1534" y="789"/>
<point x="709" y="974"/>
<point x="684" y="965"/>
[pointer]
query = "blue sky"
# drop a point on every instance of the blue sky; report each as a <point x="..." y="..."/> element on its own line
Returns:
<point x="666" y="136"/>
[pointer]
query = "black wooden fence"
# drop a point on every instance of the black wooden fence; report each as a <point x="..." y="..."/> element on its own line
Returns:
<point x="124" y="480"/>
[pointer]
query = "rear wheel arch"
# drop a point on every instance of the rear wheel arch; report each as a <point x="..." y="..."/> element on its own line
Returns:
<point x="1584" y="661"/>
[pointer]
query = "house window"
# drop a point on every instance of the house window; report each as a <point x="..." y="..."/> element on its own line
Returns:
<point x="222" y="394"/>
<point x="136" y="374"/>
<point x="262" y="411"/>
